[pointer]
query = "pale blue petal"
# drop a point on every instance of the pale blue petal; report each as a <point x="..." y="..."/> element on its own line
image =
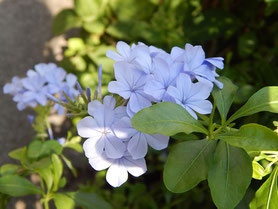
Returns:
<point x="216" y="61"/>
<point x="114" y="147"/>
<point x="157" y="141"/>
<point x="87" y="127"/>
<point x="119" y="88"/>
<point x="202" y="106"/>
<point x="123" y="129"/>
<point x="114" y="56"/>
<point x="116" y="174"/>
<point x="137" y="146"/>
<point x="100" y="162"/>
<point x="135" y="167"/>
<point x="109" y="101"/>
<point x="155" y="89"/>
<point x="194" y="56"/>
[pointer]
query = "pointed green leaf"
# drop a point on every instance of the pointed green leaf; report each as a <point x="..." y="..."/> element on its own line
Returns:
<point x="252" y="137"/>
<point x="224" y="97"/>
<point x="89" y="200"/>
<point x="187" y="164"/>
<point x="267" y="195"/>
<point x="229" y="175"/>
<point x="166" y="118"/>
<point x="8" y="169"/>
<point x="47" y="176"/>
<point x="266" y="99"/>
<point x="63" y="201"/>
<point x="64" y="21"/>
<point x="17" y="186"/>
<point x="87" y="8"/>
<point x="18" y="154"/>
<point x="57" y="170"/>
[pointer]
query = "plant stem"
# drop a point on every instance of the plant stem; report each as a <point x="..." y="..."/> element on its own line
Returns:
<point x="49" y="129"/>
<point x="210" y="128"/>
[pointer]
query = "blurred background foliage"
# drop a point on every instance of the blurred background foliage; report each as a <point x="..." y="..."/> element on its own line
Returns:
<point x="244" y="32"/>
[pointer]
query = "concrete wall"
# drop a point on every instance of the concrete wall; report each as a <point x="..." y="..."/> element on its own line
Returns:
<point x="25" y="39"/>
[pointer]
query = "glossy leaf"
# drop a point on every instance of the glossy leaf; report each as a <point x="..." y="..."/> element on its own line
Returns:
<point x="47" y="176"/>
<point x="38" y="148"/>
<point x="265" y="99"/>
<point x="18" y="154"/>
<point x="64" y="21"/>
<point x="229" y="175"/>
<point x="89" y="200"/>
<point x="187" y="164"/>
<point x="266" y="196"/>
<point x="252" y="137"/>
<point x="57" y="170"/>
<point x="87" y="7"/>
<point x="17" y="186"/>
<point x="166" y="118"/>
<point x="63" y="201"/>
<point x="8" y="169"/>
<point x="224" y="97"/>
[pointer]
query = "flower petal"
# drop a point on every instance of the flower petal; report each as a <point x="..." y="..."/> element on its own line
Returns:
<point x="100" y="162"/>
<point x="157" y="141"/>
<point x="116" y="174"/>
<point x="87" y="127"/>
<point x="135" y="167"/>
<point x="137" y="146"/>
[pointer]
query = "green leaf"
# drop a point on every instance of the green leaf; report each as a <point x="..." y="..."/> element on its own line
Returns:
<point x="188" y="164"/>
<point x="17" y="186"/>
<point x="18" y="154"/>
<point x="64" y="21"/>
<point x="63" y="201"/>
<point x="166" y="118"/>
<point x="8" y="169"/>
<point x="96" y="27"/>
<point x="229" y="175"/>
<point x="38" y="148"/>
<point x="258" y="170"/>
<point x="184" y="137"/>
<point x="51" y="146"/>
<point x="224" y="97"/>
<point x="267" y="195"/>
<point x="252" y="137"/>
<point x="70" y="166"/>
<point x="57" y="170"/>
<point x="89" y="200"/>
<point x="34" y="149"/>
<point x="47" y="175"/>
<point x="265" y="99"/>
<point x="38" y="164"/>
<point x="87" y="7"/>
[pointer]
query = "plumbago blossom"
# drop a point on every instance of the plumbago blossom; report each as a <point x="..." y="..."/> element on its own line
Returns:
<point x="144" y="75"/>
<point x="41" y="84"/>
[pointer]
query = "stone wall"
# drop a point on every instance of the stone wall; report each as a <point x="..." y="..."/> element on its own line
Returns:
<point x="25" y="40"/>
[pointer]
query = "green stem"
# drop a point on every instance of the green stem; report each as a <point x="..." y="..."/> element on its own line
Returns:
<point x="210" y="128"/>
<point x="46" y="206"/>
<point x="49" y="129"/>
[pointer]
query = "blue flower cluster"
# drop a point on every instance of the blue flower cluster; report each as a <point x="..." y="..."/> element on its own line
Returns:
<point x="144" y="75"/>
<point x="40" y="84"/>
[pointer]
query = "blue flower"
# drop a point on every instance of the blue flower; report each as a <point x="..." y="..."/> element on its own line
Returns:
<point x="125" y="53"/>
<point x="137" y="142"/>
<point x="195" y="64"/>
<point x="118" y="169"/>
<point x="130" y="84"/>
<point x="35" y="90"/>
<point x="164" y="76"/>
<point x="99" y="130"/>
<point x="192" y="96"/>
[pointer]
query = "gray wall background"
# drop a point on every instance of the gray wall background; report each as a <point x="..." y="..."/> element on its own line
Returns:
<point x="25" y="40"/>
